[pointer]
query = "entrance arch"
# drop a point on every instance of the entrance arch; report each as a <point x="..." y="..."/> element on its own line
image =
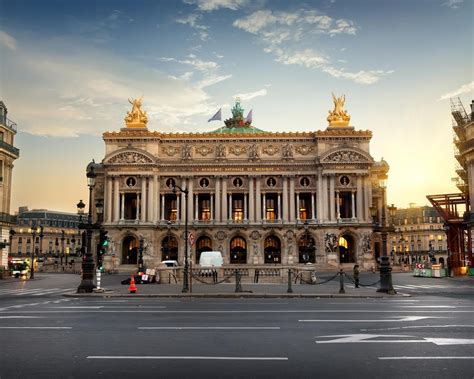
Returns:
<point x="130" y="246"/>
<point x="346" y="249"/>
<point x="203" y="243"/>
<point x="169" y="248"/>
<point x="306" y="249"/>
<point x="272" y="250"/>
<point x="238" y="250"/>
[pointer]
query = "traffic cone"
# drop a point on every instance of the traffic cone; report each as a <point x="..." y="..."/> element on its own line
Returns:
<point x="132" y="287"/>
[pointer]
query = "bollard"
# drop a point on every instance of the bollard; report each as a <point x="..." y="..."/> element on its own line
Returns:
<point x="238" y="285"/>
<point x="98" y="279"/>
<point x="341" y="281"/>
<point x="289" y="290"/>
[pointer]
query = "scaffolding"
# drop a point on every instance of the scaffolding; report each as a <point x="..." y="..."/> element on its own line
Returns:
<point x="452" y="208"/>
<point x="460" y="119"/>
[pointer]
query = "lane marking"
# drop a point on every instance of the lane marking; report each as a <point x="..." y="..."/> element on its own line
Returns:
<point x="407" y="318"/>
<point x="188" y="358"/>
<point x="428" y="306"/>
<point x="248" y="311"/>
<point x="81" y="307"/>
<point x="416" y="327"/>
<point x="35" y="327"/>
<point x="369" y="338"/>
<point x="209" y="327"/>
<point x="429" y="358"/>
<point x="2" y="317"/>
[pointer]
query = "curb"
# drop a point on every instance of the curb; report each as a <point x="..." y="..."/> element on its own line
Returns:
<point x="237" y="295"/>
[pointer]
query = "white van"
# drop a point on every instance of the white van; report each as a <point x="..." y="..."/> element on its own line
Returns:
<point x="211" y="259"/>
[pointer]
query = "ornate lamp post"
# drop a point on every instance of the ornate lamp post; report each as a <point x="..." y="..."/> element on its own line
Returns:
<point x="41" y="236"/>
<point x="176" y="188"/>
<point x="382" y="228"/>
<point x="62" y="248"/>
<point x="34" y="231"/>
<point x="88" y="265"/>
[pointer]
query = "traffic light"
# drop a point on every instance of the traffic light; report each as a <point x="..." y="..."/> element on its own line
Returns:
<point x="103" y="241"/>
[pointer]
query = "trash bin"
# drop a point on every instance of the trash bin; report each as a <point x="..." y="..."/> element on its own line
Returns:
<point x="436" y="271"/>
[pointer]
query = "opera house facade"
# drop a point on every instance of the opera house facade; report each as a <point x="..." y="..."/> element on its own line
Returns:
<point x="259" y="197"/>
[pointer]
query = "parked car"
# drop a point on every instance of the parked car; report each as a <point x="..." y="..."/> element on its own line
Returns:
<point x="170" y="263"/>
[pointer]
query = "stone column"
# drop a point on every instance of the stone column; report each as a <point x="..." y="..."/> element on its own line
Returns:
<point x="353" y="215"/>
<point x="285" y="199"/>
<point x="338" y="207"/>
<point x="137" y="217"/>
<point x="319" y="197"/>
<point x="298" y="206"/>
<point x="122" y="210"/>
<point x="116" y="210"/>
<point x="245" y="207"/>
<point x="190" y="187"/>
<point x="332" y="209"/>
<point x="196" y="209"/>
<point x="182" y="200"/>
<point x="110" y="202"/>
<point x="150" y="214"/>
<point x="279" y="206"/>
<point x="162" y="213"/>
<point x="251" y="200"/>
<point x="218" y="200"/>
<point x="292" y="199"/>
<point x="224" y="199"/>
<point x="312" y="206"/>
<point x="178" y="206"/>
<point x="143" y="206"/>
<point x="229" y="216"/>
<point x="359" y="215"/>
<point x="258" y="200"/>
<point x="264" y="206"/>
<point x="156" y="199"/>
<point x="212" y="199"/>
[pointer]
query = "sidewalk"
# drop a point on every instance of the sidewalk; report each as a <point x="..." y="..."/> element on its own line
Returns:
<point x="111" y="287"/>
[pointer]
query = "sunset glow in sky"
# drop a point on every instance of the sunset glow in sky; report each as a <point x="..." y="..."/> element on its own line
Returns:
<point x="67" y="69"/>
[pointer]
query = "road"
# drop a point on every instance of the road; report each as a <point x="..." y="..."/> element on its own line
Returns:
<point x="48" y="335"/>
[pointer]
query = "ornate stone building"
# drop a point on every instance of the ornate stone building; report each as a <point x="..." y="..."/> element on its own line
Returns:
<point x="8" y="153"/>
<point x="259" y="197"/>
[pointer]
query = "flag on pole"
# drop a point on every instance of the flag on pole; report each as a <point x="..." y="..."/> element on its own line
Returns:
<point x="217" y="116"/>
<point x="249" y="117"/>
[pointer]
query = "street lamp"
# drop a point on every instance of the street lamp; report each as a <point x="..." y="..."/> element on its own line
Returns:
<point x="62" y="248"/>
<point x="34" y="231"/>
<point x="382" y="228"/>
<point x="87" y="284"/>
<point x="176" y="188"/>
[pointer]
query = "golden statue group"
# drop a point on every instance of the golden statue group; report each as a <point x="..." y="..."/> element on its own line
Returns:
<point x="136" y="118"/>
<point x="338" y="117"/>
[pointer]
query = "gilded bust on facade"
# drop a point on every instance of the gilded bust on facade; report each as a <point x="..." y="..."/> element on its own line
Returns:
<point x="338" y="117"/>
<point x="136" y="118"/>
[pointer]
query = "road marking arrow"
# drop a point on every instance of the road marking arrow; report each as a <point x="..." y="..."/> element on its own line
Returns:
<point x="370" y="338"/>
<point x="402" y="319"/>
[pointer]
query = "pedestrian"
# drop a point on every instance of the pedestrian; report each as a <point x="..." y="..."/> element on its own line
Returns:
<point x="355" y="272"/>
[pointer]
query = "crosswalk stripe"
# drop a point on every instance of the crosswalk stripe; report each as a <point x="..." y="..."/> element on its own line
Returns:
<point x="35" y="291"/>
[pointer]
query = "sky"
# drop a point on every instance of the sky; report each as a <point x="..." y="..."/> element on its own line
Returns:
<point x="68" y="68"/>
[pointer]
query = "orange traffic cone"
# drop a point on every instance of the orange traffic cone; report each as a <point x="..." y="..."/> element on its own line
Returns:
<point x="132" y="287"/>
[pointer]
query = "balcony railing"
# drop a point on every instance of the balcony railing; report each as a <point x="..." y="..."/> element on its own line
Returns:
<point x="10" y="148"/>
<point x="8" y="123"/>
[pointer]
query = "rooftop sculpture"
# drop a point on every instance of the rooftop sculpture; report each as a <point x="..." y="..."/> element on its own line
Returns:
<point x="338" y="117"/>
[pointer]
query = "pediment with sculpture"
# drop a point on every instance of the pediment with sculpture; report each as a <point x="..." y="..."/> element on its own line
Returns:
<point x="129" y="157"/>
<point x="346" y="156"/>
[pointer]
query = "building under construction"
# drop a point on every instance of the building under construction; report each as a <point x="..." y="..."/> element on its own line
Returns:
<point x="456" y="208"/>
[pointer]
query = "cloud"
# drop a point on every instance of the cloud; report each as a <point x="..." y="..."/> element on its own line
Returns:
<point x="453" y="4"/>
<point x="284" y="35"/>
<point x="251" y="95"/>
<point x="7" y="40"/>
<point x="469" y="87"/>
<point x="212" y="5"/>
<point x="207" y="69"/>
<point x="63" y="89"/>
<point x="192" y="20"/>
<point x="193" y="61"/>
<point x="211" y="80"/>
